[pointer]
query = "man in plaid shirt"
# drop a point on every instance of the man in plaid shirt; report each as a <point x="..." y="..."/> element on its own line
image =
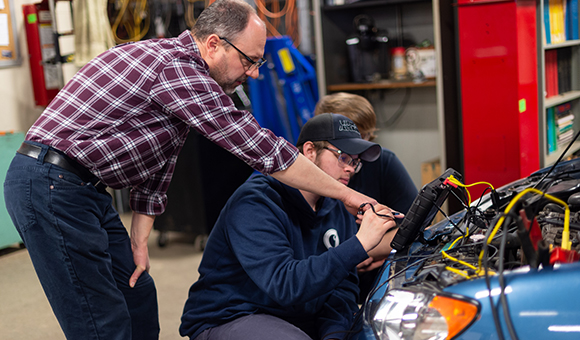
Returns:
<point x="121" y="122"/>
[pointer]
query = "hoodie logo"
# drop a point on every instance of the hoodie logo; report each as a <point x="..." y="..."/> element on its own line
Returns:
<point x="331" y="239"/>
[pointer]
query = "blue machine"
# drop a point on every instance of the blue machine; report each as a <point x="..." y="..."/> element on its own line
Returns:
<point x="284" y="96"/>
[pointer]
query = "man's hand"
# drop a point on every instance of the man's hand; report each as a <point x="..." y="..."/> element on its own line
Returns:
<point x="141" y="258"/>
<point x="369" y="265"/>
<point x="354" y="200"/>
<point x="141" y="226"/>
<point x="374" y="227"/>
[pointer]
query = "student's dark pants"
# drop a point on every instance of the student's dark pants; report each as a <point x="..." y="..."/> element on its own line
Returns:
<point x="81" y="253"/>
<point x="254" y="327"/>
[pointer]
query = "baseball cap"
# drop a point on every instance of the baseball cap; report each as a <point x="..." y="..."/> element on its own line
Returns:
<point x="340" y="132"/>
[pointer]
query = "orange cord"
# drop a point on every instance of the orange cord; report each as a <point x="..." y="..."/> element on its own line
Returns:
<point x="272" y="17"/>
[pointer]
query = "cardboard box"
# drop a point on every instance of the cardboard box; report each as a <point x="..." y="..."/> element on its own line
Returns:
<point x="430" y="170"/>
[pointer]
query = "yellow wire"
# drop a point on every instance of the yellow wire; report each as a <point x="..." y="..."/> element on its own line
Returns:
<point x="452" y="244"/>
<point x="455" y="181"/>
<point x="445" y="255"/>
<point x="460" y="237"/>
<point x="457" y="271"/>
<point x="566" y="244"/>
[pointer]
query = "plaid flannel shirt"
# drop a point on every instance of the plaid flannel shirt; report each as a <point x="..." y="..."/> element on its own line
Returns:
<point x="126" y="114"/>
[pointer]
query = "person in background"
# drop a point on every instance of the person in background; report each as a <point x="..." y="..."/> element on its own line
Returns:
<point x="280" y="263"/>
<point x="121" y="122"/>
<point x="386" y="180"/>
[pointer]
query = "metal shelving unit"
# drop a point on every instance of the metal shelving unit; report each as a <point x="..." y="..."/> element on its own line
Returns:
<point x="544" y="103"/>
<point x="381" y="85"/>
<point x="423" y="122"/>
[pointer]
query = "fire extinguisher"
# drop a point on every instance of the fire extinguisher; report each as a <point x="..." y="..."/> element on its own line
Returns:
<point x="44" y="66"/>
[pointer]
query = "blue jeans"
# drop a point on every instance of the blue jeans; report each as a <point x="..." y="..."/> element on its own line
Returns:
<point x="81" y="253"/>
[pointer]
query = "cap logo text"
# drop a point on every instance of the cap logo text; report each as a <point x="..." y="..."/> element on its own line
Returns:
<point x="346" y="125"/>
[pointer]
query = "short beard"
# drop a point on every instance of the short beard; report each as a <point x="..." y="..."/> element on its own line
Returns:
<point x="217" y="74"/>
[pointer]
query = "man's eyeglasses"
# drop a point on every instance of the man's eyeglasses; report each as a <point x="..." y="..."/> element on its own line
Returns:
<point x="254" y="65"/>
<point x="345" y="159"/>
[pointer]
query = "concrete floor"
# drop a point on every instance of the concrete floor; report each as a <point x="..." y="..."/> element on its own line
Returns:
<point x="26" y="314"/>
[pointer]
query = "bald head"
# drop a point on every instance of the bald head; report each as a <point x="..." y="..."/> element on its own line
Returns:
<point x="226" y="18"/>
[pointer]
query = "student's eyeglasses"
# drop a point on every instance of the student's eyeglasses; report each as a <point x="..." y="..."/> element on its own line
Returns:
<point x="254" y="65"/>
<point x="345" y="159"/>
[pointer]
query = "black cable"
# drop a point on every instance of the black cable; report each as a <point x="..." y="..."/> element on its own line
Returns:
<point x="469" y="220"/>
<point x="470" y="213"/>
<point x="393" y="119"/>
<point x="462" y="201"/>
<point x="476" y="212"/>
<point x="392" y="218"/>
<point x="481" y="197"/>
<point x="455" y="226"/>
<point x="559" y="222"/>
<point x="472" y="220"/>
<point x="485" y="265"/>
<point x="463" y="192"/>
<point x="449" y="220"/>
<point x="559" y="160"/>
<point x="502" y="296"/>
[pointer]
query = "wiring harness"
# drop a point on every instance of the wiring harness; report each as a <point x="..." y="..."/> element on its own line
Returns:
<point x="534" y="222"/>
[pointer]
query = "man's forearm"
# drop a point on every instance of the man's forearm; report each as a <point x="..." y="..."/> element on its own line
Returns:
<point x="141" y="226"/>
<point x="305" y="175"/>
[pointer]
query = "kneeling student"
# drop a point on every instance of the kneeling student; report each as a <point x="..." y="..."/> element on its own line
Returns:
<point x="280" y="263"/>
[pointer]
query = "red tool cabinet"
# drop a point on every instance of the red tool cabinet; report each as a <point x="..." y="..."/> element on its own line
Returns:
<point x="499" y="92"/>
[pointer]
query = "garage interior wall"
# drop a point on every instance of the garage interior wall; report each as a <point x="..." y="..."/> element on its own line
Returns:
<point x="414" y="127"/>
<point x="18" y="108"/>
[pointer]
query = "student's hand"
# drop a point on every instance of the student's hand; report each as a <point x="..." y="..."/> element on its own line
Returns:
<point x="376" y="207"/>
<point x="381" y="207"/>
<point x="374" y="227"/>
<point x="369" y="265"/>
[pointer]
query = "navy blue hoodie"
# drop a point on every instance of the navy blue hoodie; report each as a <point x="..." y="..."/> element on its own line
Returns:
<point x="270" y="253"/>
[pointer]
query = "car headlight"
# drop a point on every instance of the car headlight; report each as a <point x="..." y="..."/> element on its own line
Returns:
<point x="420" y="315"/>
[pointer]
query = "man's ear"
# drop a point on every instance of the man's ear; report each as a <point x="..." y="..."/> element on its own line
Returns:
<point x="309" y="150"/>
<point x="212" y="46"/>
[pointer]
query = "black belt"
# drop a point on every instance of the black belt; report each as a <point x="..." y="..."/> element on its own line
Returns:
<point x="64" y="162"/>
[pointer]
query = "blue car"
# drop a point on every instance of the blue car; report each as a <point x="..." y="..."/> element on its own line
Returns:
<point x="505" y="267"/>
